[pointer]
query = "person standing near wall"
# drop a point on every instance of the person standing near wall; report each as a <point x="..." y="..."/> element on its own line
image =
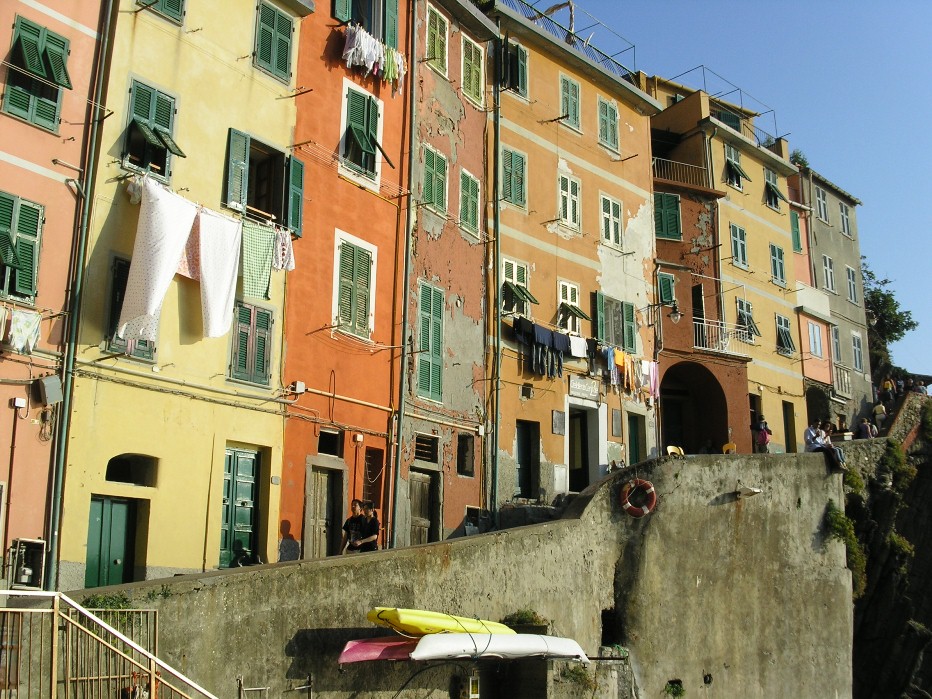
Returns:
<point x="352" y="528"/>
<point x="762" y="434"/>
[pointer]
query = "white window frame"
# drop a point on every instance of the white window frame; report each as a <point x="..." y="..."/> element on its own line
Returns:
<point x="568" y="201"/>
<point x="747" y="326"/>
<point x="828" y="274"/>
<point x="346" y="171"/>
<point x="340" y="237"/>
<point x="433" y="61"/>
<point x="733" y="174"/>
<point x="857" y="349"/>
<point x="821" y="204"/>
<point x="611" y="225"/>
<point x="567" y="293"/>
<point x="815" y="339"/>
<point x="520" y="306"/>
<point x="786" y="347"/>
<point x="852" y="277"/>
<point x="478" y="100"/>
<point x="739" y="246"/>
<point x="844" y="213"/>
<point x="771" y="187"/>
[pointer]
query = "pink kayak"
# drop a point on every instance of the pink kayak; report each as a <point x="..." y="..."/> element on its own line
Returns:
<point x="382" y="648"/>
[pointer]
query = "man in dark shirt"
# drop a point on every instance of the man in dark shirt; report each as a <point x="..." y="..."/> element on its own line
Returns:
<point x="352" y="528"/>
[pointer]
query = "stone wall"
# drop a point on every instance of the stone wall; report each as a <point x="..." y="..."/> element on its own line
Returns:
<point x="743" y="595"/>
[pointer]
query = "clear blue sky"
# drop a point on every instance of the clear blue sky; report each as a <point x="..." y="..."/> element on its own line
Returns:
<point x="850" y="85"/>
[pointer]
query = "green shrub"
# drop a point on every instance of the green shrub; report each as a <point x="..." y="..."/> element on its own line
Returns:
<point x="853" y="482"/>
<point x="118" y="601"/>
<point x="894" y="463"/>
<point x="526" y="616"/>
<point x="580" y="675"/>
<point x="925" y="424"/>
<point x="674" y="688"/>
<point x="840" y="527"/>
<point x="902" y="549"/>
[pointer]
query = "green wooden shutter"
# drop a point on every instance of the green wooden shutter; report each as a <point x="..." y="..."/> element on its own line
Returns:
<point x="343" y="10"/>
<point x="29" y="44"/>
<point x="7" y="236"/>
<point x="237" y="170"/>
<point x="295" y="195"/>
<point x="665" y="288"/>
<point x="262" y="344"/>
<point x="429" y="159"/>
<point x="794" y="228"/>
<point x="173" y="8"/>
<point x="283" y="33"/>
<point x="469" y="202"/>
<point x="143" y="102"/>
<point x="345" y="301"/>
<point x="390" y="24"/>
<point x="424" y="355"/>
<point x="671" y="216"/>
<point x="45" y="112"/>
<point x="56" y="55"/>
<point x="240" y="368"/>
<point x="522" y="71"/>
<point x="600" y="316"/>
<point x="436" y="350"/>
<point x="362" y="280"/>
<point x="440" y="182"/>
<point x="630" y="327"/>
<point x="265" y="38"/>
<point x="430" y="343"/>
<point x="28" y="226"/>
<point x="372" y="125"/>
<point x="507" y="175"/>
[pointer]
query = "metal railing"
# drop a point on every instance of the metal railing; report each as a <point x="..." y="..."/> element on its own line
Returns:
<point x="582" y="46"/>
<point x="842" y="380"/>
<point x="718" y="336"/>
<point x="53" y="648"/>
<point x="680" y="172"/>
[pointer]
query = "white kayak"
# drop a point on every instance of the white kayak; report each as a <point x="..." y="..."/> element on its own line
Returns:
<point x="448" y="646"/>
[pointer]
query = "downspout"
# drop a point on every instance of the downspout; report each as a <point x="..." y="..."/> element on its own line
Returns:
<point x="496" y="273"/>
<point x="74" y="305"/>
<point x="406" y="274"/>
<point x="718" y="227"/>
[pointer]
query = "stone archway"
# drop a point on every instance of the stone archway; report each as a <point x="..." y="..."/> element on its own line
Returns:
<point x="693" y="409"/>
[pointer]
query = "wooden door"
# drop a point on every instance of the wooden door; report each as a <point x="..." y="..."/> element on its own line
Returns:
<point x="321" y="504"/>
<point x="238" y="521"/>
<point x="419" y="494"/>
<point x="110" y="541"/>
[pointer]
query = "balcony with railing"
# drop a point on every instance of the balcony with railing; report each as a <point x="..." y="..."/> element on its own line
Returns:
<point x="718" y="336"/>
<point x="841" y="381"/>
<point x="684" y="173"/>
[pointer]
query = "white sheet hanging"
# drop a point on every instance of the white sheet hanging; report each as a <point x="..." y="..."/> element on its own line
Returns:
<point x="219" y="245"/>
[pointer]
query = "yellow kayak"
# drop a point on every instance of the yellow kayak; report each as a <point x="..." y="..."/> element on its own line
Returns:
<point x="418" y="622"/>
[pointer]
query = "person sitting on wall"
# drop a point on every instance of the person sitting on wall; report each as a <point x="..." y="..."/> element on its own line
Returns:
<point x="815" y="441"/>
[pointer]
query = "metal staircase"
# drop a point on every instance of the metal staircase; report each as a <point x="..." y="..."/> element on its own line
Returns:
<point x="53" y="648"/>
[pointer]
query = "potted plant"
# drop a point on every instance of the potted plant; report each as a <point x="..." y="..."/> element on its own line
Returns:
<point x="527" y="620"/>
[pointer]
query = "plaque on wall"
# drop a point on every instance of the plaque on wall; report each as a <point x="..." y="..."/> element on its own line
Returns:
<point x="616" y="422"/>
<point x="559" y="422"/>
<point x="584" y="387"/>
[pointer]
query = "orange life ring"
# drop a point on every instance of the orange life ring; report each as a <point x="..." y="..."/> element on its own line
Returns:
<point x="645" y="487"/>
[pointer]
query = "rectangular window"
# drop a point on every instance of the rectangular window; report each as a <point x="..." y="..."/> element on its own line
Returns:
<point x="252" y="344"/>
<point x="473" y="72"/>
<point x="739" y="247"/>
<point x="608" y="124"/>
<point x="273" y="41"/>
<point x="569" y="201"/>
<point x="611" y="221"/>
<point x="378" y="17"/>
<point x="469" y="202"/>
<point x="141" y="349"/>
<point x="665" y="288"/>
<point x="857" y="351"/>
<point x="435" y="180"/>
<point x="815" y="339"/>
<point x="361" y="138"/>
<point x="772" y="194"/>
<point x="38" y="72"/>
<point x="430" y="343"/>
<point x="777" y="268"/>
<point x="570" y="313"/>
<point x="747" y="328"/>
<point x="436" y="41"/>
<point x="845" y="214"/>
<point x="20" y="236"/>
<point x="821" y="204"/>
<point x="515" y="295"/>
<point x="514" y="68"/>
<point x="667" y="222"/>
<point x="794" y="230"/>
<point x="828" y="273"/>
<point x="465" y="454"/>
<point x="264" y="183"/>
<point x="615" y="324"/>
<point x="173" y="9"/>
<point x="353" y="296"/>
<point x="734" y="173"/>
<point x="149" y="143"/>
<point x="513" y="177"/>
<point x="427" y="448"/>
<point x="785" y="344"/>
<point x="569" y="101"/>
<point x="852" y="284"/>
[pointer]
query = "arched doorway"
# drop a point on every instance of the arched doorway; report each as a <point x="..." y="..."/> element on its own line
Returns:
<point x="818" y="405"/>
<point x="693" y="409"/>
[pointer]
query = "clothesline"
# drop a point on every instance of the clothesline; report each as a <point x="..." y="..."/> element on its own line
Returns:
<point x="363" y="50"/>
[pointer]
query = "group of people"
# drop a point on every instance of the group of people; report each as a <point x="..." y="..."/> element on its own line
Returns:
<point x="818" y="437"/>
<point x="892" y="390"/>
<point x="361" y="529"/>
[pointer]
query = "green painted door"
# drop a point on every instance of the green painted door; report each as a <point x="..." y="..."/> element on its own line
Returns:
<point x="238" y="528"/>
<point x="110" y="538"/>
<point x="635" y="443"/>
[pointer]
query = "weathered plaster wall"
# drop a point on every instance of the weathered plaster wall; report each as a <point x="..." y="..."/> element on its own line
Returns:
<point x="748" y="591"/>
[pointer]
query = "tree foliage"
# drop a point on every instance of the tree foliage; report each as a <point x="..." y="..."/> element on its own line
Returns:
<point x="887" y="320"/>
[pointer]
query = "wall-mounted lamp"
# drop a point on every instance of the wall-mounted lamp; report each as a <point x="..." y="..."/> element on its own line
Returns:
<point x="675" y="314"/>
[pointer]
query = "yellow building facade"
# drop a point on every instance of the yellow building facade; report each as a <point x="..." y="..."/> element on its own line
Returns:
<point x="174" y="447"/>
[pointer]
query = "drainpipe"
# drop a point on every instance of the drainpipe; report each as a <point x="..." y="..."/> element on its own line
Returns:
<point x="406" y="275"/>
<point x="496" y="272"/>
<point x="74" y="305"/>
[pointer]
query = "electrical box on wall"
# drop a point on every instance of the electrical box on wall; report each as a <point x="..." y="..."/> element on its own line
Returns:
<point x="50" y="389"/>
<point x="26" y="559"/>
